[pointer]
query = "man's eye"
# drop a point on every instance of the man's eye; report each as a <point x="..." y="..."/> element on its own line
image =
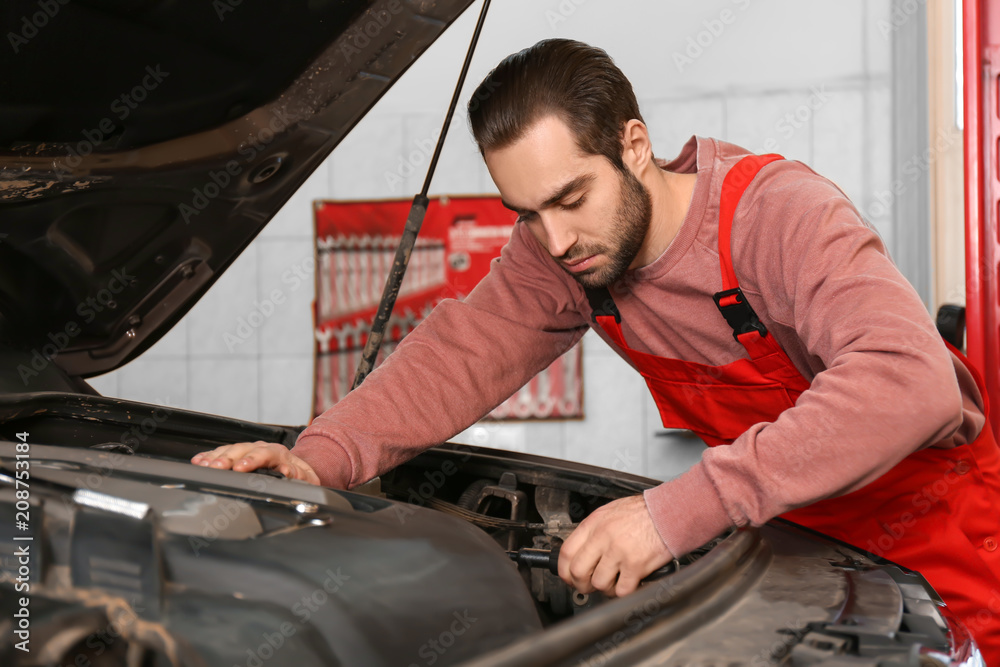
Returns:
<point x="525" y="217"/>
<point x="569" y="207"/>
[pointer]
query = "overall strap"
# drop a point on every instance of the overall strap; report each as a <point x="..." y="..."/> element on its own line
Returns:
<point x="747" y="327"/>
<point x="606" y="314"/>
<point x="748" y="330"/>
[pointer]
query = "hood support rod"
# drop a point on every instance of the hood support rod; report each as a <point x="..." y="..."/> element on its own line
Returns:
<point x="413" y="223"/>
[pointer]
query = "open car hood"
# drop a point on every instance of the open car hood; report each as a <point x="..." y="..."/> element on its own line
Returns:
<point x="143" y="146"/>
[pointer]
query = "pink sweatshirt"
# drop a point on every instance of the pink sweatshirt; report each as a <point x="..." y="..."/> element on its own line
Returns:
<point x="883" y="384"/>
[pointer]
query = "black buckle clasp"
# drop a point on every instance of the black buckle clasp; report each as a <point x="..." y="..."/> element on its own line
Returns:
<point x="602" y="304"/>
<point x="738" y="312"/>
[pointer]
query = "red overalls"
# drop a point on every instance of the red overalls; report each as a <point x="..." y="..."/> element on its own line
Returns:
<point x="935" y="512"/>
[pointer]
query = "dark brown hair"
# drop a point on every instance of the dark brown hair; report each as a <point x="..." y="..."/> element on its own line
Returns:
<point x="574" y="81"/>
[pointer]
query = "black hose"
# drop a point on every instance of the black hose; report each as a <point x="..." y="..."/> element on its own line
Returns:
<point x="469" y="497"/>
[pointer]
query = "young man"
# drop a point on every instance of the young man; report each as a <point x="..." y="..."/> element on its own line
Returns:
<point x="763" y="312"/>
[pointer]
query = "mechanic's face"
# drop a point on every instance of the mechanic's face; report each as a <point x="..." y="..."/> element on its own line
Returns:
<point x="589" y="216"/>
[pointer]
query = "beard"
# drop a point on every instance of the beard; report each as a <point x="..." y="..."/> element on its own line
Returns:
<point x="628" y="231"/>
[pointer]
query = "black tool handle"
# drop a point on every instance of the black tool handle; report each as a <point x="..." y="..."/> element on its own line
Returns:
<point x="549" y="559"/>
<point x="543" y="558"/>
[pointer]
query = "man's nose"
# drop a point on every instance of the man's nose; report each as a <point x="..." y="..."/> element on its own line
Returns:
<point x="559" y="237"/>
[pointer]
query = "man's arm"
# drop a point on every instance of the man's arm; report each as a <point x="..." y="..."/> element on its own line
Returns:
<point x="889" y="386"/>
<point x="461" y="362"/>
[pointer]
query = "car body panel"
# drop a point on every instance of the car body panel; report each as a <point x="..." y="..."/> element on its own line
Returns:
<point x="119" y="237"/>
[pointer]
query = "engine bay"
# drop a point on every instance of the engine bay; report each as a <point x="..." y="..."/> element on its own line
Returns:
<point x="141" y="558"/>
<point x="529" y="513"/>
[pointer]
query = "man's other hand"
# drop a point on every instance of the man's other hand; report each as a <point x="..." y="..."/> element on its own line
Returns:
<point x="613" y="549"/>
<point x="247" y="456"/>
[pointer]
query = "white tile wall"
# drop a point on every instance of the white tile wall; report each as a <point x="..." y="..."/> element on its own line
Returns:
<point x="613" y="435"/>
<point x="363" y="164"/>
<point x="878" y="40"/>
<point x="286" y="274"/>
<point x="286" y="389"/>
<point x="879" y="163"/>
<point x="222" y="322"/>
<point x="672" y="122"/>
<point x="174" y="344"/>
<point x="460" y="168"/>
<point x="155" y="380"/>
<point x="838" y="149"/>
<point x="227" y="387"/>
<point x="288" y="224"/>
<point x="773" y="123"/>
<point x="765" y="62"/>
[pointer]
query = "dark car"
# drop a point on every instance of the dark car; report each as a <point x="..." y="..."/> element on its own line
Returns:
<point x="114" y="220"/>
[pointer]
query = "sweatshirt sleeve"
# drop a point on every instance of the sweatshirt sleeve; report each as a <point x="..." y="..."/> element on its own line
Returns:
<point x="466" y="358"/>
<point x="886" y="384"/>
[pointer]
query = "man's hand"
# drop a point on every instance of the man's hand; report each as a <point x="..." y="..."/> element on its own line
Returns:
<point x="613" y="549"/>
<point x="247" y="456"/>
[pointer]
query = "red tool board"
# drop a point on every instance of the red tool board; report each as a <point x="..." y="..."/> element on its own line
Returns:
<point x="460" y="236"/>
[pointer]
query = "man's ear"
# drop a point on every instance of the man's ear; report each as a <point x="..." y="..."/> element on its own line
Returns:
<point x="637" y="149"/>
